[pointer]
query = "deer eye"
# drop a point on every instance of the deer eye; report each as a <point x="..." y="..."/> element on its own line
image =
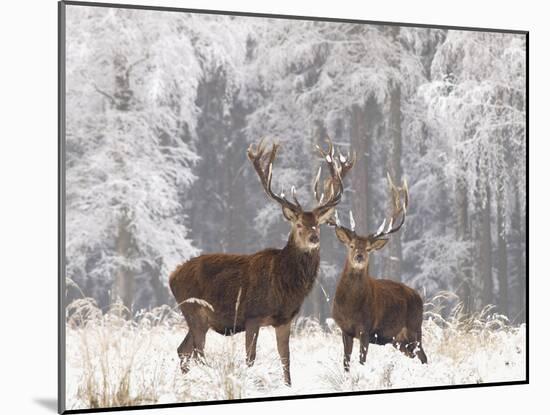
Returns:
<point x="299" y="226"/>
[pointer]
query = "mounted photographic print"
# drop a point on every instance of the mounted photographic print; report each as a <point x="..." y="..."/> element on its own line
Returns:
<point x="264" y="207"/>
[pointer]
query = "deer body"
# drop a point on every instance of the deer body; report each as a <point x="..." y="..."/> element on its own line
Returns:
<point x="272" y="283"/>
<point x="376" y="310"/>
<point x="234" y="293"/>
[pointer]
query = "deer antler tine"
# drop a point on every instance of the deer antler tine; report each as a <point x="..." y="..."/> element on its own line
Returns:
<point x="381" y="228"/>
<point x="395" y="191"/>
<point x="390" y="181"/>
<point x="293" y="193"/>
<point x="319" y="150"/>
<point x="260" y="146"/>
<point x="273" y="153"/>
<point x="399" y="206"/>
<point x="263" y="164"/>
<point x="333" y="187"/>
<point x="316" y="184"/>
<point x="269" y="174"/>
<point x="351" y="221"/>
<point x="330" y="147"/>
<point x="250" y="151"/>
<point x="406" y="189"/>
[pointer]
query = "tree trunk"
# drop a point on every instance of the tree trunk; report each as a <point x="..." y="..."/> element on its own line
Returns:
<point x="485" y="252"/>
<point x="502" y="265"/>
<point x="316" y="297"/>
<point x="396" y="254"/>
<point x="518" y="229"/>
<point x="124" y="282"/>
<point x="160" y="291"/>
<point x="364" y="124"/>
<point x="360" y="141"/>
<point x="463" y="280"/>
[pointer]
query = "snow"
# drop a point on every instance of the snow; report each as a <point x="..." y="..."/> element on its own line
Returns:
<point x="142" y="356"/>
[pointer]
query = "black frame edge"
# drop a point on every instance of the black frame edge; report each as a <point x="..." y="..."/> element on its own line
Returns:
<point x="61" y="91"/>
<point x="527" y="206"/>
<point x="294" y="397"/>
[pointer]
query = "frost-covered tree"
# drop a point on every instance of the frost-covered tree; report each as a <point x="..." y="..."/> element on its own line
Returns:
<point x="162" y="106"/>
<point x="220" y="219"/>
<point x="476" y="103"/>
<point x="132" y="79"/>
<point x="317" y="78"/>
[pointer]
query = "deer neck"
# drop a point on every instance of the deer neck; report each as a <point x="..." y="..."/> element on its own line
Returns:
<point x="303" y="264"/>
<point x="356" y="276"/>
<point x="354" y="288"/>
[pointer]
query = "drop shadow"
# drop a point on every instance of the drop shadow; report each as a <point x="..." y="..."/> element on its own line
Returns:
<point x="47" y="403"/>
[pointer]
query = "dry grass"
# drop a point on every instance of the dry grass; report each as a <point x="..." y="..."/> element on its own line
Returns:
<point x="115" y="362"/>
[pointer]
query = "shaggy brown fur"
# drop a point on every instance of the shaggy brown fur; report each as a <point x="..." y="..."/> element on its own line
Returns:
<point x="246" y="292"/>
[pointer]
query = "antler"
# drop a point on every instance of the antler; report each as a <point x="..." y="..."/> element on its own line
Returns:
<point x="258" y="156"/>
<point x="398" y="208"/>
<point x="333" y="186"/>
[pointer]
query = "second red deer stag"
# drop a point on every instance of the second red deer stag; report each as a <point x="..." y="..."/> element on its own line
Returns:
<point x="373" y="310"/>
<point x="232" y="293"/>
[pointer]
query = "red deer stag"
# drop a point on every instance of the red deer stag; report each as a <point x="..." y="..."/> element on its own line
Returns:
<point x="376" y="311"/>
<point x="232" y="293"/>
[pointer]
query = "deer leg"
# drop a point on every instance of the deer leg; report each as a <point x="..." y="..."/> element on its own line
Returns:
<point x="402" y="342"/>
<point x="420" y="352"/>
<point x="282" y="333"/>
<point x="252" y="330"/>
<point x="198" y="344"/>
<point x="348" y="347"/>
<point x="198" y="327"/>
<point x="364" y="347"/>
<point x="185" y="350"/>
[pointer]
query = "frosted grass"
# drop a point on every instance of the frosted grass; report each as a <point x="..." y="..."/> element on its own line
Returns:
<point x="115" y="362"/>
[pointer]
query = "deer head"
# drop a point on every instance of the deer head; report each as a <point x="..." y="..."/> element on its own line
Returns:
<point x="358" y="246"/>
<point x="305" y="231"/>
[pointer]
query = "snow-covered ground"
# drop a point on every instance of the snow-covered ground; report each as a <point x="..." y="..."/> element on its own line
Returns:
<point x="112" y="362"/>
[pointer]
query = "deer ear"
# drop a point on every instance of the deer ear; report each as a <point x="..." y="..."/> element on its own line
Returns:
<point x="343" y="235"/>
<point x="324" y="216"/>
<point x="379" y="244"/>
<point x="289" y="214"/>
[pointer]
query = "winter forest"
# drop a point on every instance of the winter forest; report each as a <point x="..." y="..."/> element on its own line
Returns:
<point x="161" y="107"/>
